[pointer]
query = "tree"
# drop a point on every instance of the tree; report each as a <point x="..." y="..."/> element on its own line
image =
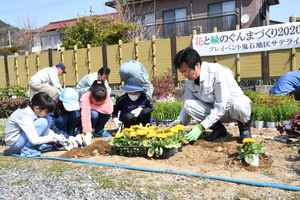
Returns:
<point x="93" y="30"/>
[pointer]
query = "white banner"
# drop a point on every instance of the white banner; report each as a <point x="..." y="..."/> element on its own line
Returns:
<point x="264" y="38"/>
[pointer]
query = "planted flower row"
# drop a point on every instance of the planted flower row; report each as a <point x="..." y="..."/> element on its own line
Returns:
<point x="154" y="140"/>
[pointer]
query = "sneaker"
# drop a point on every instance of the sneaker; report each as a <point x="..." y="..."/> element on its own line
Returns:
<point x="58" y="147"/>
<point x="44" y="147"/>
<point x="102" y="133"/>
<point x="29" y="152"/>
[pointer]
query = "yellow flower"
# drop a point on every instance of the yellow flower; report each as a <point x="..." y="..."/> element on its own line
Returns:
<point x="151" y="134"/>
<point x="248" y="140"/>
<point x="160" y="135"/>
<point x="128" y="129"/>
<point x="180" y="127"/>
<point x="174" y="130"/>
<point x="169" y="134"/>
<point x="133" y="134"/>
<point x="134" y="126"/>
<point x="119" y="135"/>
<point x="152" y="127"/>
<point x="160" y="130"/>
<point x="141" y="132"/>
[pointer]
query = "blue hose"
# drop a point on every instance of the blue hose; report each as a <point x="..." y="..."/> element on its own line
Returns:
<point x="285" y="187"/>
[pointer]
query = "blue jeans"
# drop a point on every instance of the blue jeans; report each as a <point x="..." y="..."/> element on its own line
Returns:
<point x="98" y="120"/>
<point x="68" y="121"/>
<point x="41" y="125"/>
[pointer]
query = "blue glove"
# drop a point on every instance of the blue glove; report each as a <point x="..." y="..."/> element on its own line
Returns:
<point x="174" y="123"/>
<point x="195" y="132"/>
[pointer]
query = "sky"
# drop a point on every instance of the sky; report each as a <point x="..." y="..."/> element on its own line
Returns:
<point x="41" y="12"/>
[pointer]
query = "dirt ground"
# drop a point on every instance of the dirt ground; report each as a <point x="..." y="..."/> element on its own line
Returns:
<point x="280" y="165"/>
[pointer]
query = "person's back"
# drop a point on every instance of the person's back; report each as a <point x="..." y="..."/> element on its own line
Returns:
<point x="287" y="83"/>
<point x="46" y="80"/>
<point x="133" y="68"/>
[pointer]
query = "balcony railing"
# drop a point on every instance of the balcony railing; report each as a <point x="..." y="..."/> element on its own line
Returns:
<point x="185" y="27"/>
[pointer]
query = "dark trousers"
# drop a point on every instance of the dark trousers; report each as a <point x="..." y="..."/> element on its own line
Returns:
<point x="296" y="94"/>
<point x="143" y="118"/>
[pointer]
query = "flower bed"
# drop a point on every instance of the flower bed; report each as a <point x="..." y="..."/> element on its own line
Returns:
<point x="149" y="141"/>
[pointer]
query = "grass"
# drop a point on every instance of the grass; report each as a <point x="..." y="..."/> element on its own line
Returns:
<point x="2" y="130"/>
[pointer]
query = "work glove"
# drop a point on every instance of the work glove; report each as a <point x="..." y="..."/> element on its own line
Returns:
<point x="60" y="139"/>
<point x="174" y="123"/>
<point x="71" y="143"/>
<point x="87" y="138"/>
<point x="136" y="112"/>
<point x="117" y="122"/>
<point x="78" y="140"/>
<point x="195" y="132"/>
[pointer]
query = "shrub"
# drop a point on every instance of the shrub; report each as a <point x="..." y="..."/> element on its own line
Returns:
<point x="164" y="87"/>
<point x="9" y="105"/>
<point x="13" y="92"/>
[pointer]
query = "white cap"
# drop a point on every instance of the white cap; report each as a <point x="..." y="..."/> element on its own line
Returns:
<point x="69" y="98"/>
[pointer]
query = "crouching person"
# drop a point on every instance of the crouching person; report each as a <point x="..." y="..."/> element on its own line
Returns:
<point x="135" y="105"/>
<point x="212" y="97"/>
<point x="66" y="118"/>
<point x="96" y="108"/>
<point x="28" y="128"/>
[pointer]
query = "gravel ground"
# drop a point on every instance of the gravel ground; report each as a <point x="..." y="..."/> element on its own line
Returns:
<point x="28" y="179"/>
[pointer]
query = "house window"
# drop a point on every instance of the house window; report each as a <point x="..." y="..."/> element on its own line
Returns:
<point x="175" y="21"/>
<point x="148" y="19"/>
<point x="148" y="25"/>
<point x="222" y="15"/>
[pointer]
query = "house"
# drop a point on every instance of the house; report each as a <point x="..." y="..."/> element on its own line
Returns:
<point x="166" y="17"/>
<point x="47" y="37"/>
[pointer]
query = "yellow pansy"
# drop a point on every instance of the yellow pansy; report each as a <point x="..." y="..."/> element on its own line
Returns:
<point x="128" y="129"/>
<point x="119" y="135"/>
<point x="151" y="134"/>
<point x="174" y="130"/>
<point x="134" y="126"/>
<point x="169" y="134"/>
<point x="251" y="140"/>
<point x="133" y="134"/>
<point x="180" y="127"/>
<point x="160" y="135"/>
<point x="141" y="132"/>
<point x="160" y="130"/>
<point x="152" y="127"/>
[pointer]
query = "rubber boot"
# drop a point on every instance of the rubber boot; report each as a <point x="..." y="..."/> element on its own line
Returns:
<point x="244" y="128"/>
<point x="219" y="130"/>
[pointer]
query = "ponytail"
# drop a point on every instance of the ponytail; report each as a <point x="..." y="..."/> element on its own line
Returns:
<point x="98" y="90"/>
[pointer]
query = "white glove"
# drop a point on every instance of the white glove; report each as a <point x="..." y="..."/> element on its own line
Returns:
<point x="60" y="139"/>
<point x="117" y="122"/>
<point x="78" y="140"/>
<point x="87" y="139"/>
<point x="136" y="112"/>
<point x="72" y="141"/>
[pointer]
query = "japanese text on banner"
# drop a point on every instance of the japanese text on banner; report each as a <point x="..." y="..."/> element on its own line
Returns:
<point x="265" y="38"/>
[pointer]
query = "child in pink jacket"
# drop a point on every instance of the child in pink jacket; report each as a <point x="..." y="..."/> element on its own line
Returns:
<point x="96" y="108"/>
